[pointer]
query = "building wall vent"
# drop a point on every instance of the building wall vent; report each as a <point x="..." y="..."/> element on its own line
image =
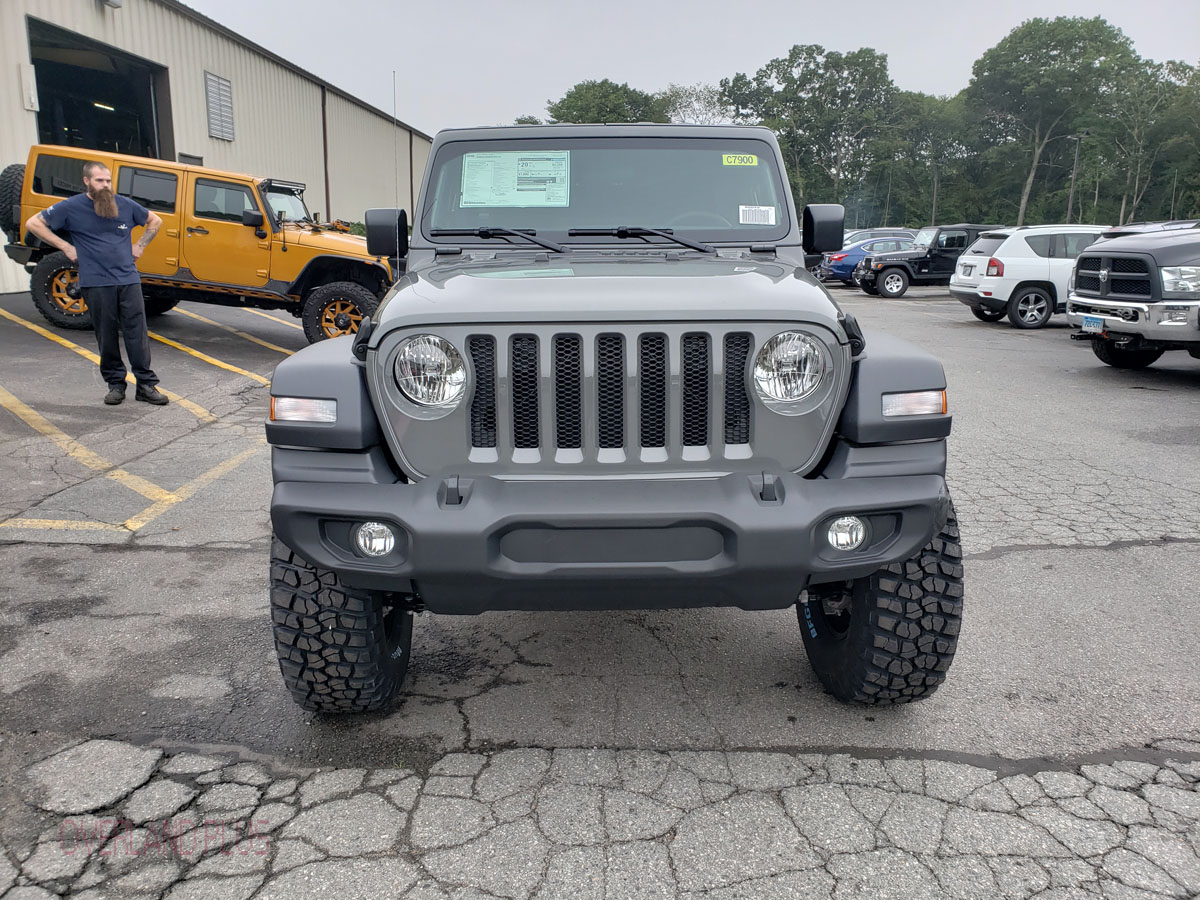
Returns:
<point x="218" y="100"/>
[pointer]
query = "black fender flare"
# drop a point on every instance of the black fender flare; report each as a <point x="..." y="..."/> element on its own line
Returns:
<point x="305" y="280"/>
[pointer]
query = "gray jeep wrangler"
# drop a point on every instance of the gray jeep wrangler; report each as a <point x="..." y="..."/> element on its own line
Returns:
<point x="607" y="381"/>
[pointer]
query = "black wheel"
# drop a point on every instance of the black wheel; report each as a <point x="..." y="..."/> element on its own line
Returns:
<point x="339" y="650"/>
<point x="892" y="283"/>
<point x="987" y="315"/>
<point x="1030" y="307"/>
<point x="1119" y="357"/>
<point x="890" y="637"/>
<point x="56" y="292"/>
<point x="11" y="181"/>
<point x="333" y="310"/>
<point x="157" y="304"/>
<point x="874" y="292"/>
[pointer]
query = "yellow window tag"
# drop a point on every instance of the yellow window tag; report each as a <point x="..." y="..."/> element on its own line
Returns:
<point x="739" y="159"/>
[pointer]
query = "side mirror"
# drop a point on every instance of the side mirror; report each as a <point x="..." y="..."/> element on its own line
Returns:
<point x="824" y="225"/>
<point x="387" y="232"/>
<point x="252" y="218"/>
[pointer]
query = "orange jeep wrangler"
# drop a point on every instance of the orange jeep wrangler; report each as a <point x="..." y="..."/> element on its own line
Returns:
<point x="235" y="240"/>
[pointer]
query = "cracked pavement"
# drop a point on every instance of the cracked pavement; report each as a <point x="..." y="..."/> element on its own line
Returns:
<point x="627" y="754"/>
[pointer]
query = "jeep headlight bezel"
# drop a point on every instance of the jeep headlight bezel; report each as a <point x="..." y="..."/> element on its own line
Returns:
<point x="430" y="372"/>
<point x="789" y="369"/>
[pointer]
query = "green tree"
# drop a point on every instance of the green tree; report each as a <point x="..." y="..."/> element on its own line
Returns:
<point x="825" y="106"/>
<point x="607" y="101"/>
<point x="697" y="104"/>
<point x="1042" y="79"/>
<point x="527" y="120"/>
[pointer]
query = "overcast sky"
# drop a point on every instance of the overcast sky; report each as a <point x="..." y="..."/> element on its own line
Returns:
<point x="475" y="62"/>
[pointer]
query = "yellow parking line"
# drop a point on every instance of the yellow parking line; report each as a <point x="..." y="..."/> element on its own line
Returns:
<point x="78" y="452"/>
<point x="204" y="357"/>
<point x="150" y="513"/>
<point x="276" y="319"/>
<point x="62" y="525"/>
<point x="194" y="408"/>
<point x="231" y="330"/>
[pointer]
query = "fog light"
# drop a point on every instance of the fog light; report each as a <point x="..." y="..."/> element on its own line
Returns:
<point x="847" y="533"/>
<point x="374" y="539"/>
<point x="1173" y="315"/>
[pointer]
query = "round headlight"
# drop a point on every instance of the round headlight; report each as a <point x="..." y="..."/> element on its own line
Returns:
<point x="788" y="368"/>
<point x="430" y="372"/>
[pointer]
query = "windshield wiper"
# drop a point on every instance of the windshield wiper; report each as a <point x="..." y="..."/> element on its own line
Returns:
<point x="491" y="231"/>
<point x="629" y="231"/>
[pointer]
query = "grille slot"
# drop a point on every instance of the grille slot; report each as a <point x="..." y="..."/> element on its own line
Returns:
<point x="652" y="376"/>
<point x="610" y="391"/>
<point x="737" y="402"/>
<point x="1136" y="287"/>
<point x="696" y="368"/>
<point x="1087" y="283"/>
<point x="526" y="433"/>
<point x="483" y="404"/>
<point x="1089" y="264"/>
<point x="568" y="392"/>
<point x="1129" y="266"/>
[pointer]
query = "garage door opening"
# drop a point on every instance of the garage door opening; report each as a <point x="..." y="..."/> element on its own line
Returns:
<point x="94" y="96"/>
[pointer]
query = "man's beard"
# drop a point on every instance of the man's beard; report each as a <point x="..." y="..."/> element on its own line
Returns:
<point x="105" y="203"/>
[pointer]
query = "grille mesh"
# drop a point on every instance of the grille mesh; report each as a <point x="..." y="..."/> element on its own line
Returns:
<point x="1129" y="265"/>
<point x="695" y="390"/>
<point x="568" y="391"/>
<point x="652" y="375"/>
<point x="610" y="391"/>
<point x="483" y="404"/>
<point x="1137" y="287"/>
<point x="1088" y="283"/>
<point x="737" y="403"/>
<point x="526" y="433"/>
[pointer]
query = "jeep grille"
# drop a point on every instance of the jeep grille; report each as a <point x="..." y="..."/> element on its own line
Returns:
<point x="662" y="391"/>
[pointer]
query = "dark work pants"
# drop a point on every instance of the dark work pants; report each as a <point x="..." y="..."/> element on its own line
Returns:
<point x="117" y="311"/>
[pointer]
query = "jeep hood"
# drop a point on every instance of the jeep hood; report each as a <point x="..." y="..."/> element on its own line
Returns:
<point x="898" y="254"/>
<point x="331" y="241"/>
<point x="573" y="287"/>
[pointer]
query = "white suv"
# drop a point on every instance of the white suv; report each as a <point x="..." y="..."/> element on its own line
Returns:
<point x="1022" y="272"/>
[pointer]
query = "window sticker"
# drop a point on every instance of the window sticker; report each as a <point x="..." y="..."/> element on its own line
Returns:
<point x="756" y="215"/>
<point x="516" y="178"/>
<point x="739" y="159"/>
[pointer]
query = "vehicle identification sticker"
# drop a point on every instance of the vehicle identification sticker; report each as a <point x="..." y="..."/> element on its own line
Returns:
<point x="739" y="159"/>
<point x="516" y="178"/>
<point x="756" y="215"/>
<point x="1094" y="324"/>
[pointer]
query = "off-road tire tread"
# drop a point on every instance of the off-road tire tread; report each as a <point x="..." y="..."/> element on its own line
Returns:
<point x="330" y="640"/>
<point x="1123" y="359"/>
<point x="904" y="649"/>
<point x="12" y="181"/>
<point x="310" y="314"/>
<point x="39" y="289"/>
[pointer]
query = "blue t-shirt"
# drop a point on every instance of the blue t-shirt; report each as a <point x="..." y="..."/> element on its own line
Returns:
<point x="104" y="246"/>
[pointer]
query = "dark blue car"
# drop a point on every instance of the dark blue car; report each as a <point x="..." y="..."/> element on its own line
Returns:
<point x="840" y="263"/>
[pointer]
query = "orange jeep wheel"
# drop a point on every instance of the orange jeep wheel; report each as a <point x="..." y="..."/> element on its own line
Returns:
<point x="336" y="309"/>
<point x="56" y="293"/>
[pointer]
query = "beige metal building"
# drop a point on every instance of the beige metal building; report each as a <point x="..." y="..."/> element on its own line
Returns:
<point x="156" y="78"/>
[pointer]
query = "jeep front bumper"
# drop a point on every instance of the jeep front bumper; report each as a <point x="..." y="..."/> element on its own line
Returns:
<point x="1146" y="320"/>
<point x="721" y="540"/>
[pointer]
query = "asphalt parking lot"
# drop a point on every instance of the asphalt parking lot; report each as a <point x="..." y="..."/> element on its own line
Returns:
<point x="625" y="754"/>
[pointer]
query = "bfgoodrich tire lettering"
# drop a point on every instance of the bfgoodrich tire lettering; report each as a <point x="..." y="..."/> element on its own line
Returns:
<point x="340" y="650"/>
<point x="890" y="637"/>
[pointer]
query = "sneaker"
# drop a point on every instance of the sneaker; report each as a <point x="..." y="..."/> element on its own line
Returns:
<point x="151" y="395"/>
<point x="115" y="395"/>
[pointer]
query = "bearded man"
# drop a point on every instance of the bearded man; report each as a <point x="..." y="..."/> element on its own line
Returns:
<point x="100" y="226"/>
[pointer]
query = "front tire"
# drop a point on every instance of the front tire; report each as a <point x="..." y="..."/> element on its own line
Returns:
<point x="890" y="637"/>
<point x="987" y="315"/>
<point x="340" y="650"/>
<point x="892" y="283"/>
<point x="54" y="286"/>
<point x="1122" y="358"/>
<point x="1030" y="308"/>
<point x="336" y="309"/>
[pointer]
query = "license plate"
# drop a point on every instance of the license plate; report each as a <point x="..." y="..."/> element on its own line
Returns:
<point x="1093" y="323"/>
<point x="967" y="270"/>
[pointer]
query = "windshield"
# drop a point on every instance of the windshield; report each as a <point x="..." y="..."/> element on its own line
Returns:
<point x="704" y="189"/>
<point x="924" y="238"/>
<point x="290" y="205"/>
